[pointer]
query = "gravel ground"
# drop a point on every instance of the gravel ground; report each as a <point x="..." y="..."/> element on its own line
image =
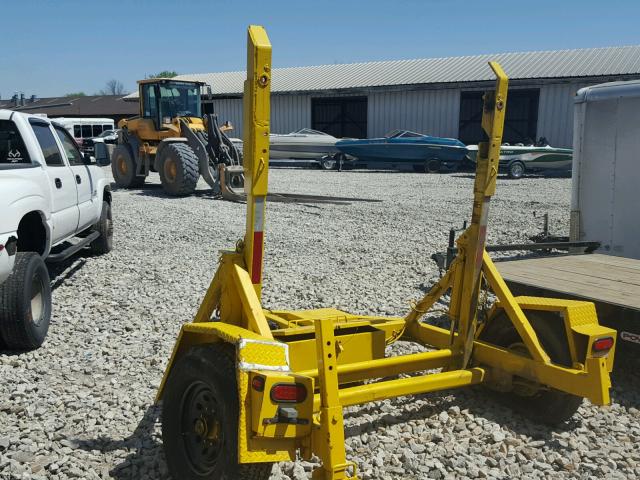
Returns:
<point x="81" y="406"/>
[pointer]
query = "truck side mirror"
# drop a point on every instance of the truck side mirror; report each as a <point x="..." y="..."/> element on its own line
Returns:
<point x="103" y="154"/>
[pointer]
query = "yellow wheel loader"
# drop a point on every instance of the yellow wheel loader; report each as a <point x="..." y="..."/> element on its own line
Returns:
<point x="173" y="138"/>
<point x="248" y="386"/>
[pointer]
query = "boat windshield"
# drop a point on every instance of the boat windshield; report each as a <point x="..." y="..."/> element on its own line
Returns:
<point x="308" y="131"/>
<point x="402" y="134"/>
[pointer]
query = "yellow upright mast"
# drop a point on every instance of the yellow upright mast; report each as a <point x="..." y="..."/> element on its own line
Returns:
<point x="257" y="90"/>
<point x="472" y="242"/>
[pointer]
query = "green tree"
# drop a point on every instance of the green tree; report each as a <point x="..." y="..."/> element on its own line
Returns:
<point x="164" y="74"/>
<point x="75" y="94"/>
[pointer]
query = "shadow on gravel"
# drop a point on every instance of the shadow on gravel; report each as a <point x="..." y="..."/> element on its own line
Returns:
<point x="478" y="401"/>
<point x="528" y="176"/>
<point x="625" y="379"/>
<point x="60" y="272"/>
<point x="155" y="190"/>
<point x="145" y="458"/>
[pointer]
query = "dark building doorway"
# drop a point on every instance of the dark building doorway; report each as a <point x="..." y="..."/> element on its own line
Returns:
<point x="340" y="116"/>
<point x="521" y="122"/>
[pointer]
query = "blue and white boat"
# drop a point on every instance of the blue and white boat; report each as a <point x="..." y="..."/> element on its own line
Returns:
<point x="403" y="148"/>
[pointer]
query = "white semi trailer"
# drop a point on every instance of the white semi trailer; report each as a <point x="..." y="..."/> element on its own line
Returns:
<point x="605" y="208"/>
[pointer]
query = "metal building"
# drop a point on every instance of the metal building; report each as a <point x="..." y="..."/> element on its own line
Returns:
<point x="438" y="96"/>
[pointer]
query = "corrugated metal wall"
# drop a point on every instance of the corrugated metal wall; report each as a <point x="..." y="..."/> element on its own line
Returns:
<point x="230" y="109"/>
<point x="288" y="113"/>
<point x="555" y="113"/>
<point x="430" y="111"/>
<point x="435" y="112"/>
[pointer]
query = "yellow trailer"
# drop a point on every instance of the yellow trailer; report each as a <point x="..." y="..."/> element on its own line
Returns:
<point x="246" y="386"/>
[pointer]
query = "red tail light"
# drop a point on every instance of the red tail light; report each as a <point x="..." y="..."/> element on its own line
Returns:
<point x="258" y="383"/>
<point x="288" y="393"/>
<point x="602" y="345"/>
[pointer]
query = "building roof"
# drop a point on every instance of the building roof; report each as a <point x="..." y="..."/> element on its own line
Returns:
<point x="587" y="62"/>
<point x="91" y="106"/>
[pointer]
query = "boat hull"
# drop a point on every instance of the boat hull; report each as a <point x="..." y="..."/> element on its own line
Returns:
<point x="402" y="148"/>
<point x="533" y="158"/>
<point x="302" y="151"/>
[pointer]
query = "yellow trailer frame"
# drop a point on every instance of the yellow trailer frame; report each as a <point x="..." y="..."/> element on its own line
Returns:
<point x="294" y="371"/>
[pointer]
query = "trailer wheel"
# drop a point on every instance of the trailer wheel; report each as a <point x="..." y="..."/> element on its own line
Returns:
<point x="540" y="403"/>
<point x="200" y="418"/>
<point x="516" y="170"/>
<point x="328" y="163"/>
<point x="25" y="303"/>
<point x="179" y="169"/>
<point x="433" y="165"/>
<point x="123" y="168"/>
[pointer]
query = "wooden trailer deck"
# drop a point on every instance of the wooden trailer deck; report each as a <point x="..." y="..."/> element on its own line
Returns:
<point x="612" y="283"/>
<point x="606" y="278"/>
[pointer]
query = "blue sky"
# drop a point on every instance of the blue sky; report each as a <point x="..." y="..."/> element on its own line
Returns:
<point x="55" y="47"/>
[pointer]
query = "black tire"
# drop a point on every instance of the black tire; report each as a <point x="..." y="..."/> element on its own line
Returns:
<point x="433" y="165"/>
<point x="24" y="295"/>
<point x="104" y="243"/>
<point x="547" y="405"/>
<point x="204" y="382"/>
<point x="328" y="163"/>
<point x="179" y="169"/>
<point x="123" y="168"/>
<point x="516" y="170"/>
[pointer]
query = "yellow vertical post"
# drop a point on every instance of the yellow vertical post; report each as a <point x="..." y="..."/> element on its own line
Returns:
<point x="331" y="435"/>
<point x="257" y="89"/>
<point x="472" y="242"/>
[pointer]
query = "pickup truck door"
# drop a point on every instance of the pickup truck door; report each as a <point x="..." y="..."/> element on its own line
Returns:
<point x="64" y="197"/>
<point x="87" y="194"/>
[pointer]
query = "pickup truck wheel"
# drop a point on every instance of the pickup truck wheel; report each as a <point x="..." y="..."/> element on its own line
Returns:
<point x="25" y="303"/>
<point x="123" y="168"/>
<point x="179" y="169"/>
<point x="200" y="418"/>
<point x="104" y="243"/>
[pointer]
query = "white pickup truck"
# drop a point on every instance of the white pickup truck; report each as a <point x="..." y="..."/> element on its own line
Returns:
<point x="53" y="202"/>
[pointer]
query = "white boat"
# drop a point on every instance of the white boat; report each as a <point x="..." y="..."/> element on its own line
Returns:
<point x="303" y="144"/>
<point x="518" y="159"/>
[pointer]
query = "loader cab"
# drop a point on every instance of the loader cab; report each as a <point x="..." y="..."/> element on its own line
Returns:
<point x="163" y="100"/>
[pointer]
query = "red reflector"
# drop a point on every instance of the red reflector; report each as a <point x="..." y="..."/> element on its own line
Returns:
<point x="258" y="383"/>
<point x="288" y="392"/>
<point x="603" y="344"/>
<point x="1" y="247"/>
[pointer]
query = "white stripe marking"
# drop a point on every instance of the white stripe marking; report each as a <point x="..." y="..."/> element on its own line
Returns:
<point x="258" y="216"/>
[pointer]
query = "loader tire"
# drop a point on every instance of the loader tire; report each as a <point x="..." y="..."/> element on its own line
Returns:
<point x="25" y="304"/>
<point x="123" y="168"/>
<point x="104" y="243"/>
<point x="546" y="405"/>
<point x="200" y="418"/>
<point x="179" y="169"/>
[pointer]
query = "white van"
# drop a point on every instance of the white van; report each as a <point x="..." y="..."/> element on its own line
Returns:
<point x="82" y="128"/>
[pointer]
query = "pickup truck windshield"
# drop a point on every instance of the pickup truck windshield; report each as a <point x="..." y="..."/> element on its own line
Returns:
<point x="13" y="152"/>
